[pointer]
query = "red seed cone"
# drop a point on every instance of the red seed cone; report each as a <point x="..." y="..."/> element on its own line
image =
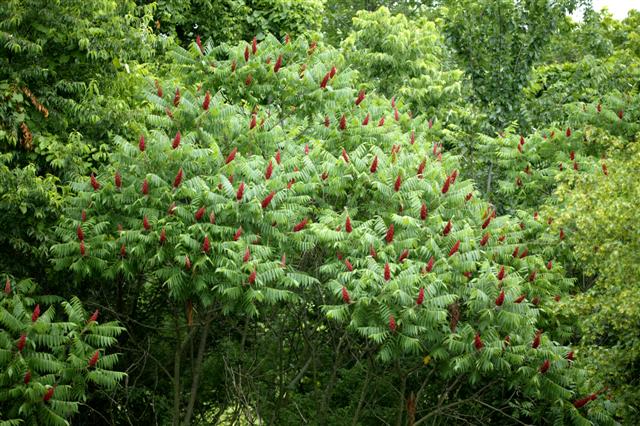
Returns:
<point x="36" y="314"/>
<point x="477" y="342"/>
<point x="387" y="272"/>
<point x="360" y="98"/>
<point x="430" y="264"/>
<point x="27" y="377"/>
<point x="549" y="265"/>
<point x="206" y="245"/>
<point x="423" y="211"/>
<point x="94" y="359"/>
<point x="176" y="97"/>
<point x="176" y="140"/>
<point x="445" y="186"/>
<point x="306" y="149"/>
<point x="520" y="298"/>
<point x="398" y="183"/>
<point x="123" y="251"/>
<point x="412" y="137"/>
<point x="22" y="341"/>
<point x="7" y="286"/>
<point x="345" y="296"/>
<point x="83" y="216"/>
<point x="145" y="223"/>
<point x="269" y="171"/>
<point x="200" y="213"/>
<point x="389" y="236"/>
<point x="48" y="394"/>
<point x="524" y="253"/>
<point x="80" y="233"/>
<point x="240" y="191"/>
<point x="145" y="187"/>
<point x="485" y="239"/>
<point x="392" y="323"/>
<point x="118" y="179"/>
<point x="381" y="122"/>
<point x="420" y="298"/>
<point x="403" y="256"/>
<point x="570" y="356"/>
<point x="238" y="234"/>
<point x="141" y="144"/>
<point x="421" y="168"/>
<point x="327" y="121"/>
<point x="455" y="248"/>
<point x="247" y="255"/>
<point x="515" y="252"/>
<point x="345" y="156"/>
<point x="199" y="44"/>
<point x="254" y="45"/>
<point x="267" y="200"/>
<point x="501" y="274"/>
<point x="374" y="165"/>
<point x="621" y="114"/>
<point x="487" y="221"/>
<point x="187" y="262"/>
<point x="231" y="156"/>
<point x="347" y="225"/>
<point x="159" y="88"/>
<point x="278" y="159"/>
<point x="366" y="120"/>
<point x="178" y="178"/>
<point x="536" y="340"/>
<point x="300" y="226"/>
<point x="545" y="366"/>
<point x="207" y="101"/>
<point x="246" y="54"/>
<point x="278" y="64"/>
<point x="94" y="182"/>
<point x="579" y="403"/>
<point x="532" y="276"/>
<point x="454" y="176"/>
<point x="333" y="71"/>
<point x="94" y="316"/>
<point x="568" y="132"/>
<point x="343" y="123"/>
<point x="325" y="80"/>
<point x="253" y="122"/>
<point x="348" y="265"/>
<point x="561" y="234"/>
<point x="447" y="229"/>
<point x="252" y="277"/>
<point x="82" y="248"/>
<point x="605" y="170"/>
<point x="500" y="298"/>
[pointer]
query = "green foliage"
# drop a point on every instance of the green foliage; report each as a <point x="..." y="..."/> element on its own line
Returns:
<point x="233" y="20"/>
<point x="323" y="175"/>
<point x="498" y="42"/>
<point x="47" y="355"/>
<point x="29" y="205"/>
<point x="600" y="211"/>
<point x="403" y="58"/>
<point x="57" y="65"/>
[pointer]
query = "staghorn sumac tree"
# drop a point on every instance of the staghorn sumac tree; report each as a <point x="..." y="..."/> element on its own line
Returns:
<point x="52" y="353"/>
<point x="282" y="197"/>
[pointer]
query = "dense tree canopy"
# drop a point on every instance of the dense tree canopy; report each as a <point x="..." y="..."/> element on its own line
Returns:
<point x="281" y="212"/>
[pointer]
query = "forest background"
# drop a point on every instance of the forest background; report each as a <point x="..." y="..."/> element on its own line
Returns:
<point x="319" y="212"/>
